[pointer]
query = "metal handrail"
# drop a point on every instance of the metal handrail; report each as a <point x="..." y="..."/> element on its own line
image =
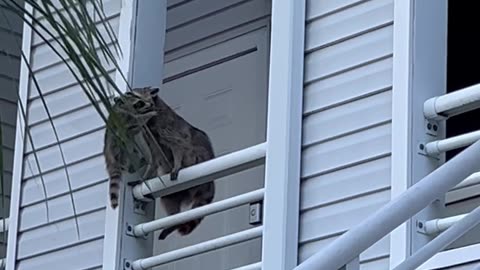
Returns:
<point x="225" y="241"/>
<point x="145" y="228"/>
<point x="438" y="225"/>
<point x="440" y="242"/>
<point x="382" y="222"/>
<point x="441" y="146"/>
<point x="453" y="103"/>
<point x="203" y="172"/>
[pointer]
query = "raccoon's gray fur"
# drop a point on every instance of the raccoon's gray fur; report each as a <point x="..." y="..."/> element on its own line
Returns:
<point x="183" y="145"/>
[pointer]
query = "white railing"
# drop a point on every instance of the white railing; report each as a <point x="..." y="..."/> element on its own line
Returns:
<point x="143" y="229"/>
<point x="454" y="103"/>
<point x="441" y="146"/>
<point x="461" y="171"/>
<point x="225" y="241"/>
<point x="201" y="173"/>
<point x="439" y="225"/>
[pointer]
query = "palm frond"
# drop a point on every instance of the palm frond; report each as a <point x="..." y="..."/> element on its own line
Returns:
<point x="71" y="28"/>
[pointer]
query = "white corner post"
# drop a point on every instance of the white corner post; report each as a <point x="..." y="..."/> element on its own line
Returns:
<point x="401" y="120"/>
<point x="284" y="130"/>
<point x="20" y="139"/>
<point x="141" y="38"/>
<point x="419" y="73"/>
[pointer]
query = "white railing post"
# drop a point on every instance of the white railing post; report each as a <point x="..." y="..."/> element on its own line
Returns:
<point x="397" y="211"/>
<point x="282" y="165"/>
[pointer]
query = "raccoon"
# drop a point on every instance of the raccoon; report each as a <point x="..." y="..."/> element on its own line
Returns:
<point x="125" y="147"/>
<point x="185" y="146"/>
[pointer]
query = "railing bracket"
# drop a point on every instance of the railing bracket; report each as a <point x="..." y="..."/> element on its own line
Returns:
<point x="255" y="213"/>
<point x="127" y="264"/>
<point x="420" y="225"/>
<point x="432" y="127"/>
<point x="139" y="207"/>
<point x="129" y="230"/>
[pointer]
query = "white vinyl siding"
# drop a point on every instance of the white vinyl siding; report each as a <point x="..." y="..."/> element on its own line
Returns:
<point x="347" y="122"/>
<point x="53" y="243"/>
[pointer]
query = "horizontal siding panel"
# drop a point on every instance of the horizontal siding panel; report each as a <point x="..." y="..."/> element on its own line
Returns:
<point x="193" y="10"/>
<point x="348" y="23"/>
<point x="61" y="234"/>
<point x="9" y="109"/>
<point x="349" y="54"/>
<point x="211" y="25"/>
<point x="43" y="56"/>
<point x="10" y="66"/>
<point x="87" y="173"/>
<point x="316" y="9"/>
<point x="59" y="77"/>
<point x="67" y="126"/>
<point x="8" y="135"/>
<point x="74" y="150"/>
<point x="85" y="255"/>
<point x="349" y="183"/>
<point x="85" y="200"/>
<point x="354" y="116"/>
<point x="337" y="218"/>
<point x="10" y="21"/>
<point x="346" y="151"/>
<point x="378" y="250"/>
<point x="9" y="89"/>
<point x="60" y="102"/>
<point x="111" y="8"/>
<point x="11" y="42"/>
<point x="348" y="86"/>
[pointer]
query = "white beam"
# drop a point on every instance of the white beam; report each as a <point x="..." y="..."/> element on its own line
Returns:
<point x="441" y="146"/>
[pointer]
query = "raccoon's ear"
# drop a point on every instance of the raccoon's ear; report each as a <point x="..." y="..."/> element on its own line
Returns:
<point x="154" y="91"/>
<point x="117" y="99"/>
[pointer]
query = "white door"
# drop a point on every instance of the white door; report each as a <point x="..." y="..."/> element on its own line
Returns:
<point x="222" y="90"/>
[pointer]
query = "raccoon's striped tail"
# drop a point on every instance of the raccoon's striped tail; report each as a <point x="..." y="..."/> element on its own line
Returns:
<point x="114" y="191"/>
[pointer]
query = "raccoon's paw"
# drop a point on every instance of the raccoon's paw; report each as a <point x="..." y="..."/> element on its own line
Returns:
<point x="174" y="175"/>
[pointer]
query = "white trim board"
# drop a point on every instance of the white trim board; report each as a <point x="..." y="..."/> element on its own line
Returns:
<point x="20" y="136"/>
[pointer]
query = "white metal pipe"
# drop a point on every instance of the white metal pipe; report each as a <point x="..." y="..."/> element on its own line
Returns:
<point x="4" y="225"/>
<point x="441" y="241"/>
<point x="453" y="103"/>
<point x="253" y="266"/>
<point x="376" y="226"/>
<point x="472" y="180"/>
<point x="438" y="225"/>
<point x="442" y="146"/>
<point x="225" y="241"/>
<point x="203" y="172"/>
<point x="145" y="228"/>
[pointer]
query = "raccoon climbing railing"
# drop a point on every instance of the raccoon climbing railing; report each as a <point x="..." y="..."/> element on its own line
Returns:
<point x="192" y="176"/>
<point x="459" y="172"/>
<point x="207" y="171"/>
<point x="141" y="230"/>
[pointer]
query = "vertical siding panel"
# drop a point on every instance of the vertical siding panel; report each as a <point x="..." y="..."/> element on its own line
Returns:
<point x="347" y="122"/>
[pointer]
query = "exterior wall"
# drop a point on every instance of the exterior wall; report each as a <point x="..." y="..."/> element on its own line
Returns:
<point x="347" y="122"/>
<point x="52" y="242"/>
<point x="11" y="36"/>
